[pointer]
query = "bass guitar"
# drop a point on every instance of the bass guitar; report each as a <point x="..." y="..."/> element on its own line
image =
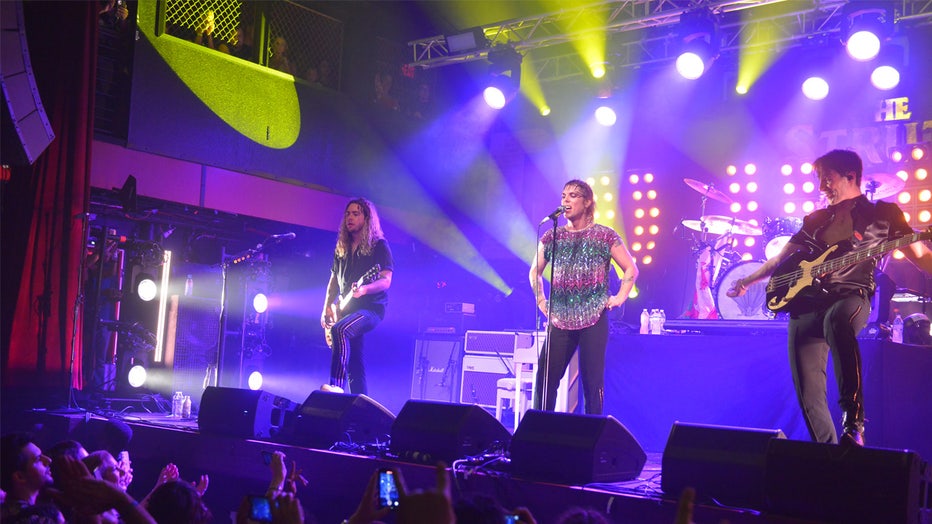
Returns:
<point x="798" y="278"/>
<point x="338" y="307"/>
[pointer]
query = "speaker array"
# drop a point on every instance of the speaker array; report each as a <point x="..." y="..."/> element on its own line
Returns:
<point x="744" y="467"/>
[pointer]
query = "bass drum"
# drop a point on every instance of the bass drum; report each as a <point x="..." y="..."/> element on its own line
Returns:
<point x="751" y="305"/>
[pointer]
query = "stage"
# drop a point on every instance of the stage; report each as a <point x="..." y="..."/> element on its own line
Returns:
<point x="652" y="382"/>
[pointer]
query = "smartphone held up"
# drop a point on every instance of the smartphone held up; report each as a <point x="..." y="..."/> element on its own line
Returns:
<point x="388" y="489"/>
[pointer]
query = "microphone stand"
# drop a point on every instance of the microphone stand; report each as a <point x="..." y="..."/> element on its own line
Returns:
<point x="225" y="265"/>
<point x="553" y="261"/>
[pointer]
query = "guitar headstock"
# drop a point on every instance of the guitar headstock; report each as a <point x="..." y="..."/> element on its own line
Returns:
<point x="371" y="275"/>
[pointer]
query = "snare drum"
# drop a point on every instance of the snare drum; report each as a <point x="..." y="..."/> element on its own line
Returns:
<point x="751" y="305"/>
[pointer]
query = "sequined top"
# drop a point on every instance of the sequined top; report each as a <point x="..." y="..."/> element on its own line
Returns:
<point x="579" y="289"/>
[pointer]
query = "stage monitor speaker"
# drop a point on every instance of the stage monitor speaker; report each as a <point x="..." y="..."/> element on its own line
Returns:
<point x="327" y="418"/>
<point x="837" y="483"/>
<point x="427" y="432"/>
<point x="574" y="449"/>
<point x="721" y="462"/>
<point x="243" y="412"/>
<point x="436" y="369"/>
<point x="23" y="115"/>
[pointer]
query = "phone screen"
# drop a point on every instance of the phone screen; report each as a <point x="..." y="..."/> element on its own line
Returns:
<point x="512" y="519"/>
<point x="388" y="491"/>
<point x="260" y="510"/>
<point x="266" y="457"/>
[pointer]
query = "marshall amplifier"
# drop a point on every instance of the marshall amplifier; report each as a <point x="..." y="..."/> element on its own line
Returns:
<point x="437" y="364"/>
<point x="497" y="342"/>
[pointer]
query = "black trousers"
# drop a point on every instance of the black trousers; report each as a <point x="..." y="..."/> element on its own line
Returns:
<point x="811" y="335"/>
<point x="346" y="363"/>
<point x="561" y="344"/>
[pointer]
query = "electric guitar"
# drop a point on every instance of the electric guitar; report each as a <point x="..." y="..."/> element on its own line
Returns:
<point x="799" y="277"/>
<point x="339" y="306"/>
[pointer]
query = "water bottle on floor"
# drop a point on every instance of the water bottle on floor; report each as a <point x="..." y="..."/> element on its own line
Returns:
<point x="897" y="331"/>
<point x="177" y="404"/>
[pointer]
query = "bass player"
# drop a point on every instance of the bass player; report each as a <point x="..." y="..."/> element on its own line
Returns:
<point x="361" y="251"/>
<point x="832" y="311"/>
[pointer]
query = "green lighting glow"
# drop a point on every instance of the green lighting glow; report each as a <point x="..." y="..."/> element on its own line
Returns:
<point x="258" y="102"/>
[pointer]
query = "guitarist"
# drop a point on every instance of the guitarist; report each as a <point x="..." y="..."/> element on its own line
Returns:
<point x="360" y="247"/>
<point x="833" y="318"/>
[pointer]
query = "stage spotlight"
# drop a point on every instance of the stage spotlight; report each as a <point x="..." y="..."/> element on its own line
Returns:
<point x="260" y="303"/>
<point x="597" y="70"/>
<point x="699" y="45"/>
<point x="865" y="23"/>
<point x="815" y="88"/>
<point x="146" y="288"/>
<point x="136" y="376"/>
<point x="255" y="380"/>
<point x="544" y="110"/>
<point x="504" y="76"/>
<point x="605" y="116"/>
<point x="886" y="74"/>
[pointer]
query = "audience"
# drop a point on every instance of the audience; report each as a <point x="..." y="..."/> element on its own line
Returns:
<point x="24" y="472"/>
<point x="279" y="59"/>
<point x="384" y="97"/>
<point x="177" y="502"/>
<point x="582" y="516"/>
<point x="92" y="487"/>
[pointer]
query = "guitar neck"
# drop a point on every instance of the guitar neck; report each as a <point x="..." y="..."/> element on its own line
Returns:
<point x="856" y="257"/>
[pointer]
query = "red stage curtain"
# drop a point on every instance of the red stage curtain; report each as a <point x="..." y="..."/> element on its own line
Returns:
<point x="62" y="39"/>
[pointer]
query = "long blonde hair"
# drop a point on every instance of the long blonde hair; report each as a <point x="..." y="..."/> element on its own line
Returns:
<point x="372" y="230"/>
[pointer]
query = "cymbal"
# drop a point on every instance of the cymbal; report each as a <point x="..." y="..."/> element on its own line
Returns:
<point x="881" y="185"/>
<point x="707" y="190"/>
<point x="721" y="225"/>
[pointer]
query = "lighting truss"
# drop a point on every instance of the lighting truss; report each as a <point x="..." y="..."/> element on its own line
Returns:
<point x="636" y="42"/>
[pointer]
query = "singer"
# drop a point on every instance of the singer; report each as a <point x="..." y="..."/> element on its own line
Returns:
<point x="582" y="256"/>
<point x="357" y="294"/>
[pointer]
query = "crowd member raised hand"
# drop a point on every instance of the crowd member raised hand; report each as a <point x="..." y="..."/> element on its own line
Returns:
<point x="415" y="507"/>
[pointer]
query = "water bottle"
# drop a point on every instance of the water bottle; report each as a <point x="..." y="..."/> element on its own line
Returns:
<point x="897" y="331"/>
<point x="177" y="404"/>
<point x="186" y="407"/>
<point x="663" y="321"/>
<point x="655" y="328"/>
<point x="189" y="286"/>
<point x="645" y="322"/>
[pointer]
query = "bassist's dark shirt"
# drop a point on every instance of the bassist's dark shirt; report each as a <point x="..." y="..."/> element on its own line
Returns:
<point x="354" y="265"/>
<point x="871" y="225"/>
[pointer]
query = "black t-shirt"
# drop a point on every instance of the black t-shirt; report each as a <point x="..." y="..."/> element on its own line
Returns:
<point x="871" y="224"/>
<point x="349" y="269"/>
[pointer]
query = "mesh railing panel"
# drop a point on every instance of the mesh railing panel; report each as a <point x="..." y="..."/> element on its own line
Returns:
<point x="312" y="38"/>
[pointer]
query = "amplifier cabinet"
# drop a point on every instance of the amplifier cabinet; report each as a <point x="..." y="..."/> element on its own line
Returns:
<point x="437" y="369"/>
<point x="497" y="342"/>
<point x="479" y="383"/>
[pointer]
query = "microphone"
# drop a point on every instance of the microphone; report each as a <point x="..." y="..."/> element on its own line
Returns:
<point x="284" y="236"/>
<point x="554" y="215"/>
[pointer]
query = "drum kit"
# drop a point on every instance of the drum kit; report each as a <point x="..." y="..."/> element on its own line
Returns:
<point x="719" y="266"/>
